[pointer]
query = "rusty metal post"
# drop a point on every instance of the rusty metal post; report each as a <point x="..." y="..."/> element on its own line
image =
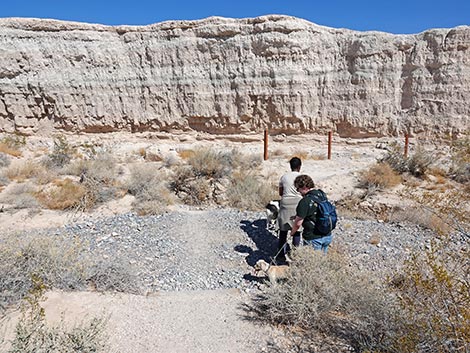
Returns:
<point x="266" y="144"/>
<point x="329" y="143"/>
<point x="406" y="145"/>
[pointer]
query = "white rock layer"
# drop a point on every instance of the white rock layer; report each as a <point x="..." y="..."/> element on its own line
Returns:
<point x="232" y="75"/>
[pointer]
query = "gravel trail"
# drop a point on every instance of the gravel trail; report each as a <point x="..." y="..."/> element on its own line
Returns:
<point x="196" y="267"/>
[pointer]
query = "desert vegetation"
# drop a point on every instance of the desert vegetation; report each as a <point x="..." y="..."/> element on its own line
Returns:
<point x="421" y="308"/>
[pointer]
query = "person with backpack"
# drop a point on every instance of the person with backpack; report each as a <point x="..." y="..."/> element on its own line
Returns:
<point x="315" y="214"/>
<point x="289" y="200"/>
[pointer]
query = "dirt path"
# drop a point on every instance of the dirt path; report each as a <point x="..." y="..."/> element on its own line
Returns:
<point x="178" y="321"/>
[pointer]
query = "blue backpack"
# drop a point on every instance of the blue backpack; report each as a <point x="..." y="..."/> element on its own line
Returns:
<point x="325" y="218"/>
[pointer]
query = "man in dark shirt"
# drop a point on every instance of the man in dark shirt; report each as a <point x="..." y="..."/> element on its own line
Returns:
<point x="305" y="214"/>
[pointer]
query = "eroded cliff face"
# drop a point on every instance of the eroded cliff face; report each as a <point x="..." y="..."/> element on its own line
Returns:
<point x="230" y="76"/>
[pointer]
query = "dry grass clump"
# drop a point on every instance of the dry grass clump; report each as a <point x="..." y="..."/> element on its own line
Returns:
<point x="11" y="145"/>
<point x="151" y="193"/>
<point x="435" y="294"/>
<point x="20" y="196"/>
<point x="186" y="154"/>
<point x="32" y="334"/>
<point x="29" y="170"/>
<point x="322" y="293"/>
<point x="379" y="176"/>
<point x="248" y="192"/>
<point x="62" y="195"/>
<point x="445" y="212"/>
<point x="208" y="174"/>
<point x="209" y="163"/>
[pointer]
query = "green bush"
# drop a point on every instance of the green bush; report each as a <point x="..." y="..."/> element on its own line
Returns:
<point x="61" y="153"/>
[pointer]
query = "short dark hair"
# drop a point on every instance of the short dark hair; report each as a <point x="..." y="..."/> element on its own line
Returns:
<point x="295" y="163"/>
<point x="303" y="181"/>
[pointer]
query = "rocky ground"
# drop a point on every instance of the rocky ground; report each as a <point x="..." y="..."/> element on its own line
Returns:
<point x="195" y="272"/>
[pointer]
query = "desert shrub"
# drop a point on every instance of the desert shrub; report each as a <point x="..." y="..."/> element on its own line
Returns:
<point x="396" y="159"/>
<point x="460" y="160"/>
<point x="379" y="176"/>
<point x="324" y="294"/>
<point x="59" y="261"/>
<point x="98" y="176"/>
<point x="210" y="163"/>
<point x="64" y="194"/>
<point x="434" y="290"/>
<point x="20" y="196"/>
<point x="151" y="193"/>
<point x="21" y="170"/>
<point x="12" y="144"/>
<point x="32" y="334"/>
<point x="446" y="212"/>
<point x="54" y="260"/>
<point x="247" y="192"/>
<point x="4" y="160"/>
<point x="417" y="164"/>
<point x="241" y="161"/>
<point x="61" y="153"/>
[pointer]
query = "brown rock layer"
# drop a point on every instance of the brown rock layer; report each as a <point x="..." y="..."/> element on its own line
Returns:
<point x="230" y="76"/>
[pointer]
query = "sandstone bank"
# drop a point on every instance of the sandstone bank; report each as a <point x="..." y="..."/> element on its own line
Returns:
<point x="222" y="75"/>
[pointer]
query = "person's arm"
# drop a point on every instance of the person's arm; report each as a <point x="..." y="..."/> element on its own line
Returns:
<point x="281" y="190"/>
<point x="297" y="224"/>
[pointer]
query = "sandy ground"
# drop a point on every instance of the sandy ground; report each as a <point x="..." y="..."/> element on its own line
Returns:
<point x="337" y="176"/>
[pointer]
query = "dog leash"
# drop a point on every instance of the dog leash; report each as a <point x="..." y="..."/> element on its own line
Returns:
<point x="273" y="259"/>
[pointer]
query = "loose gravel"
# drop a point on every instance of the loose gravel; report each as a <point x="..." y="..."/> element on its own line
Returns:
<point x="215" y="249"/>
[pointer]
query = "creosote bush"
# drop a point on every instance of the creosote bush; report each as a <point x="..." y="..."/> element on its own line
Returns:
<point x="435" y="294"/>
<point x="324" y="294"/>
<point x="61" y="153"/>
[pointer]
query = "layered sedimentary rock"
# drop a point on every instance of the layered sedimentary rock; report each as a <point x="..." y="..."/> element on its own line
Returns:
<point x="230" y="76"/>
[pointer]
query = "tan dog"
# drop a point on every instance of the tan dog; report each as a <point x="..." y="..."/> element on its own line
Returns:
<point x="273" y="272"/>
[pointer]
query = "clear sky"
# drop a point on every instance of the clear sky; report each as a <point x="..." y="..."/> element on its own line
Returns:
<point x="394" y="16"/>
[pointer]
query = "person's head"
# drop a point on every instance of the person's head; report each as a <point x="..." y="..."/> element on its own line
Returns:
<point x="303" y="183"/>
<point x="295" y="163"/>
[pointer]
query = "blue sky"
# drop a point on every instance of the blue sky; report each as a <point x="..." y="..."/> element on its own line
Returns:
<point x="394" y="16"/>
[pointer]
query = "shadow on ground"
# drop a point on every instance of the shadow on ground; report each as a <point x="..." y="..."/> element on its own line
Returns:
<point x="265" y="241"/>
